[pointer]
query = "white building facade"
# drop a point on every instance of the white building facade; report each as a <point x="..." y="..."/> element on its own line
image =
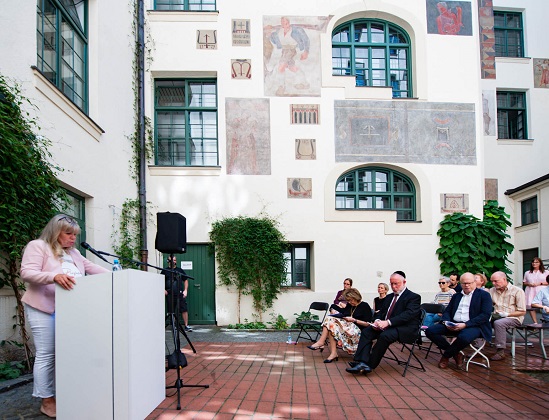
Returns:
<point x="357" y="125"/>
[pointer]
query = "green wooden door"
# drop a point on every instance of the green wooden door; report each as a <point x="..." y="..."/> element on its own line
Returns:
<point x="200" y="264"/>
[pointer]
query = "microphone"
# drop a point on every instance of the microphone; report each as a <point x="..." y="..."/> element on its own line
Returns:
<point x="87" y="246"/>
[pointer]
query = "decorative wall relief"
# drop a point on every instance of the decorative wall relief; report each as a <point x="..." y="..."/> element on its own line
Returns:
<point x="541" y="73"/>
<point x="305" y="149"/>
<point x="454" y="203"/>
<point x="305" y="114"/>
<point x="291" y="54"/>
<point x="300" y="187"/>
<point x="489" y="112"/>
<point x="394" y="131"/>
<point x="248" y="136"/>
<point x="241" y="69"/>
<point x="206" y="39"/>
<point x="490" y="189"/>
<point x="241" y="34"/>
<point x="449" y="17"/>
<point x="487" y="39"/>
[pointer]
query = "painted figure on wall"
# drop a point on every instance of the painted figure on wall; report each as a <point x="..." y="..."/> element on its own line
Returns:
<point x="291" y="53"/>
<point x="449" y="17"/>
<point x="248" y="137"/>
<point x="541" y="73"/>
<point x="488" y="107"/>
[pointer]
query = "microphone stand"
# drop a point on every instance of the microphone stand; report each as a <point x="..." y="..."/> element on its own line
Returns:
<point x="176" y="327"/>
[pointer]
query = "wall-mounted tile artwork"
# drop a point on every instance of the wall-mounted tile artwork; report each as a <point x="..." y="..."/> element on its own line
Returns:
<point x="305" y="114"/>
<point x="241" y="68"/>
<point x="454" y="203"/>
<point x="241" y="34"/>
<point x="305" y="149"/>
<point x="300" y="187"/>
<point x="206" y="39"/>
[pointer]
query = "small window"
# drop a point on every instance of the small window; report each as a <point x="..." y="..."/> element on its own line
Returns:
<point x="77" y="210"/>
<point x="186" y="122"/>
<point x="298" y="266"/>
<point x="198" y="5"/>
<point x="509" y="34"/>
<point x="377" y="53"/>
<point x="62" y="46"/>
<point x="377" y="189"/>
<point x="511" y="115"/>
<point x="529" y="211"/>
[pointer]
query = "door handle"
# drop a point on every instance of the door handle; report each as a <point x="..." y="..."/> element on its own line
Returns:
<point x="197" y="285"/>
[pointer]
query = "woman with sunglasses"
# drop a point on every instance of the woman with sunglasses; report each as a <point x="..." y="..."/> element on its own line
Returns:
<point x="343" y="329"/>
<point x="443" y="298"/>
<point x="46" y="261"/>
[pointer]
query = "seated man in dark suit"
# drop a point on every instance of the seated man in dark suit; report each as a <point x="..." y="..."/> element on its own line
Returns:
<point x="398" y="320"/>
<point x="470" y="310"/>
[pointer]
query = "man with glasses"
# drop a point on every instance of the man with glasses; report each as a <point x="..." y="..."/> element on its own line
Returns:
<point x="509" y="310"/>
<point x="467" y="318"/>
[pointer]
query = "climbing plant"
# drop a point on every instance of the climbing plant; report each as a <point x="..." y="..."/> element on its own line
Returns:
<point x="249" y="252"/>
<point x="478" y="246"/>
<point x="30" y="193"/>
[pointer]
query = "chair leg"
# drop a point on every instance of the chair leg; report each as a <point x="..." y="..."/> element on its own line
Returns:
<point x="477" y="351"/>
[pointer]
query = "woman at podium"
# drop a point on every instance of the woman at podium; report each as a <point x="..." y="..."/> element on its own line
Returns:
<point x="48" y="260"/>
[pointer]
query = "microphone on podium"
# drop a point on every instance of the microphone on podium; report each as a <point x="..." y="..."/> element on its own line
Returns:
<point x="87" y="246"/>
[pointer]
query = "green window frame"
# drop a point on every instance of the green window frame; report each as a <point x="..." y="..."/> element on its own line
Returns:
<point x="185" y="122"/>
<point x="194" y="5"/>
<point x="76" y="208"/>
<point x="529" y="211"/>
<point x="372" y="188"/>
<point x="512" y="115"/>
<point x="62" y="47"/>
<point x="376" y="52"/>
<point x="298" y="265"/>
<point x="509" y="34"/>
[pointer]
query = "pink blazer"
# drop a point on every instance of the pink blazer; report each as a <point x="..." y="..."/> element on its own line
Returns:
<point x="39" y="267"/>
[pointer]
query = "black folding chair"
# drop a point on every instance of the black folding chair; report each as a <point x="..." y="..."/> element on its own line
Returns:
<point x="308" y="327"/>
<point x="410" y="346"/>
<point x="432" y="308"/>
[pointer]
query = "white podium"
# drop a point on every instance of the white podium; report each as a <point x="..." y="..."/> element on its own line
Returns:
<point x="109" y="339"/>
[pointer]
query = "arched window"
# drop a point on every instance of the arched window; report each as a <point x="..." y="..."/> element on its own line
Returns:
<point x="377" y="189"/>
<point x="376" y="52"/>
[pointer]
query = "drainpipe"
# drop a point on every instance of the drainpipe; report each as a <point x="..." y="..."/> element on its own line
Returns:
<point x="142" y="134"/>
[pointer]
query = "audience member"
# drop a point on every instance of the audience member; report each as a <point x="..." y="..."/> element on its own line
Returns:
<point x="541" y="300"/>
<point x="481" y="281"/>
<point x="382" y="290"/>
<point x="442" y="298"/>
<point x="339" y="301"/>
<point x="509" y="309"/>
<point x="467" y="318"/>
<point x="398" y="319"/>
<point x="535" y="280"/>
<point x="344" y="328"/>
<point x="454" y="282"/>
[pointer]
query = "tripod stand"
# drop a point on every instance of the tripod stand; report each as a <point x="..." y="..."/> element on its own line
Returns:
<point x="175" y="325"/>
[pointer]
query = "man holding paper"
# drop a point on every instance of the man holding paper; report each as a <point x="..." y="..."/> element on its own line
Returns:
<point x="467" y="317"/>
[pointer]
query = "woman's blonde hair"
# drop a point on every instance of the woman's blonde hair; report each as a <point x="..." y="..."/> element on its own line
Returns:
<point x="385" y="286"/>
<point x="57" y="224"/>
<point x="483" y="279"/>
<point x="353" y="294"/>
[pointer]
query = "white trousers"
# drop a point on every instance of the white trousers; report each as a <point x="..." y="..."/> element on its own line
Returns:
<point x="43" y="330"/>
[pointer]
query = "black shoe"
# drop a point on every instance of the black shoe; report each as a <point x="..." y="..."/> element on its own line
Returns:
<point x="188" y="329"/>
<point x="353" y="364"/>
<point x="335" y="359"/>
<point x="360" y="368"/>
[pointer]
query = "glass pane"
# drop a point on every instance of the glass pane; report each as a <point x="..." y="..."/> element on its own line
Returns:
<point x="513" y="20"/>
<point x="170" y="93"/>
<point x="400" y="184"/>
<point x="346" y="184"/>
<point x="396" y="37"/>
<point x="378" y="33"/>
<point x="203" y="94"/>
<point x="404" y="215"/>
<point x="382" y="182"/>
<point x="341" y="36"/>
<point x="300" y="253"/>
<point x="361" y="32"/>
<point x="403" y="202"/>
<point x="365" y="202"/>
<point x="382" y="203"/>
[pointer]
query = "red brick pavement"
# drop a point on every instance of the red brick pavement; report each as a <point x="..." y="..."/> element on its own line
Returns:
<point x="281" y="381"/>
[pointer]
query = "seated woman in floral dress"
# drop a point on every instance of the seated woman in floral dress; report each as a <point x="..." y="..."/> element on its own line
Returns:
<point x="344" y="329"/>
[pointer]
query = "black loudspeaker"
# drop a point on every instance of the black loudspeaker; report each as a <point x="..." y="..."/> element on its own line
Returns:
<point x="171" y="233"/>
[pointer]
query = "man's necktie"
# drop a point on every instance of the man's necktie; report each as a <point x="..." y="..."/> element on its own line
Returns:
<point x="390" y="311"/>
